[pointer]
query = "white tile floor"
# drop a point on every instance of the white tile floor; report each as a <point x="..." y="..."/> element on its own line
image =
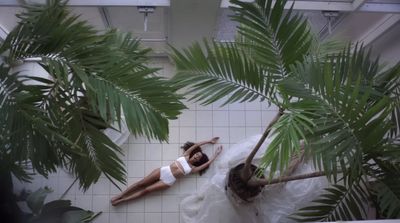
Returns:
<point x="231" y="123"/>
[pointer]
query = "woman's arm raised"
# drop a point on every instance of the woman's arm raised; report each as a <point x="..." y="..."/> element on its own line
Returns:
<point x="190" y="150"/>
<point x="205" y="165"/>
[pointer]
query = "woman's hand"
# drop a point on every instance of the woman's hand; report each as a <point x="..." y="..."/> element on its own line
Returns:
<point x="214" y="140"/>
<point x="218" y="151"/>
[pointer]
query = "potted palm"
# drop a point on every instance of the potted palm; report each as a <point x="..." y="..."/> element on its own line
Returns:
<point x="91" y="80"/>
<point x="340" y="103"/>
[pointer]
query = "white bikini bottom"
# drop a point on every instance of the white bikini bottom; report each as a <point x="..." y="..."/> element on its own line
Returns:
<point x="166" y="175"/>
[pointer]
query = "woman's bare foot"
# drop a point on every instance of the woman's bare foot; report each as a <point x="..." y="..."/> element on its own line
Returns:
<point x="116" y="198"/>
<point x="116" y="201"/>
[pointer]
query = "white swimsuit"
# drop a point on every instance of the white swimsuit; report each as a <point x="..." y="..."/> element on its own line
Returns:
<point x="186" y="167"/>
<point x="166" y="175"/>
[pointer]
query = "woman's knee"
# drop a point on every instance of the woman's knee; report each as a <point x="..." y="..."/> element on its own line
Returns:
<point x="145" y="191"/>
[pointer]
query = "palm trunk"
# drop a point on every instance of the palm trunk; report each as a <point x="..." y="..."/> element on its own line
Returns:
<point x="246" y="172"/>
<point x="255" y="181"/>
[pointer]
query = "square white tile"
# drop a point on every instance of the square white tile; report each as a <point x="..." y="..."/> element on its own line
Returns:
<point x="152" y="217"/>
<point x="153" y="151"/>
<point x="135" y="218"/>
<point x="152" y="203"/>
<point x="203" y="133"/>
<point x="135" y="168"/>
<point x="170" y="203"/>
<point x="237" y="118"/>
<point x="102" y="187"/>
<point x="187" y="118"/>
<point x="170" y="151"/>
<point x="84" y="202"/>
<point x="136" y="206"/>
<point x="220" y="118"/>
<point x="253" y="118"/>
<point x="173" y="135"/>
<point x="187" y="134"/>
<point x="204" y="118"/>
<point x="267" y="116"/>
<point x="151" y="165"/>
<point x="101" y="203"/>
<point x="236" y="134"/>
<point x="137" y="151"/>
<point x="187" y="185"/>
<point x="118" y="217"/>
<point x="170" y="217"/>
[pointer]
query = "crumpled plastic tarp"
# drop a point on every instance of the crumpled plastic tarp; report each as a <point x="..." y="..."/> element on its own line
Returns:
<point x="211" y="204"/>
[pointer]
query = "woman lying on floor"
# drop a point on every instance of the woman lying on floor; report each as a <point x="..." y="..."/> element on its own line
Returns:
<point x="192" y="161"/>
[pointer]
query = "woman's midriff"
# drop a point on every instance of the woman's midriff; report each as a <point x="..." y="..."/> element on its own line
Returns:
<point x="176" y="170"/>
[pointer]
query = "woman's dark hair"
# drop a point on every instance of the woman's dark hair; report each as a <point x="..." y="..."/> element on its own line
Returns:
<point x="203" y="159"/>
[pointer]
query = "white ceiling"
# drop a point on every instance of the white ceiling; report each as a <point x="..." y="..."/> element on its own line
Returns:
<point x="180" y="22"/>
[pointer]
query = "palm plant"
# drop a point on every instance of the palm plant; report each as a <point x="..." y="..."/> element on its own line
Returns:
<point x="340" y="103"/>
<point x="93" y="80"/>
<point x="54" y="211"/>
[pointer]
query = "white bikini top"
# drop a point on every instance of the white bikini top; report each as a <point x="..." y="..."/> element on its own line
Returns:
<point x="186" y="167"/>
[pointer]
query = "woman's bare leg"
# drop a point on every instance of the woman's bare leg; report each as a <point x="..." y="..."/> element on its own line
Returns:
<point x="153" y="177"/>
<point x="159" y="185"/>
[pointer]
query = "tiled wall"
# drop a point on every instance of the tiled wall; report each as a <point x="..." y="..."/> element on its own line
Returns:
<point x="231" y="123"/>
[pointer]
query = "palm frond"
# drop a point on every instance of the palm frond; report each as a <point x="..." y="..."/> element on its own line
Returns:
<point x="147" y="102"/>
<point x="278" y="37"/>
<point x="222" y="70"/>
<point x="388" y="197"/>
<point x="385" y="180"/>
<point x="21" y="134"/>
<point x="126" y="45"/>
<point x="349" y="114"/>
<point x="100" y="155"/>
<point x="288" y="132"/>
<point x="37" y="35"/>
<point x="336" y="203"/>
<point x="389" y="83"/>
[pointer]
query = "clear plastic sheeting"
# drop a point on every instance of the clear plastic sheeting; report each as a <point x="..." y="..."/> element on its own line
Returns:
<point x="276" y="202"/>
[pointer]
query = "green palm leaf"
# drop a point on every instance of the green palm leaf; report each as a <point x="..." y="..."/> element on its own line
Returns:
<point x="100" y="154"/>
<point x="288" y="132"/>
<point x="386" y="187"/>
<point x="336" y="203"/>
<point x="388" y="197"/>
<point x="388" y="82"/>
<point x="222" y="70"/>
<point x="349" y="114"/>
<point x="278" y="37"/>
